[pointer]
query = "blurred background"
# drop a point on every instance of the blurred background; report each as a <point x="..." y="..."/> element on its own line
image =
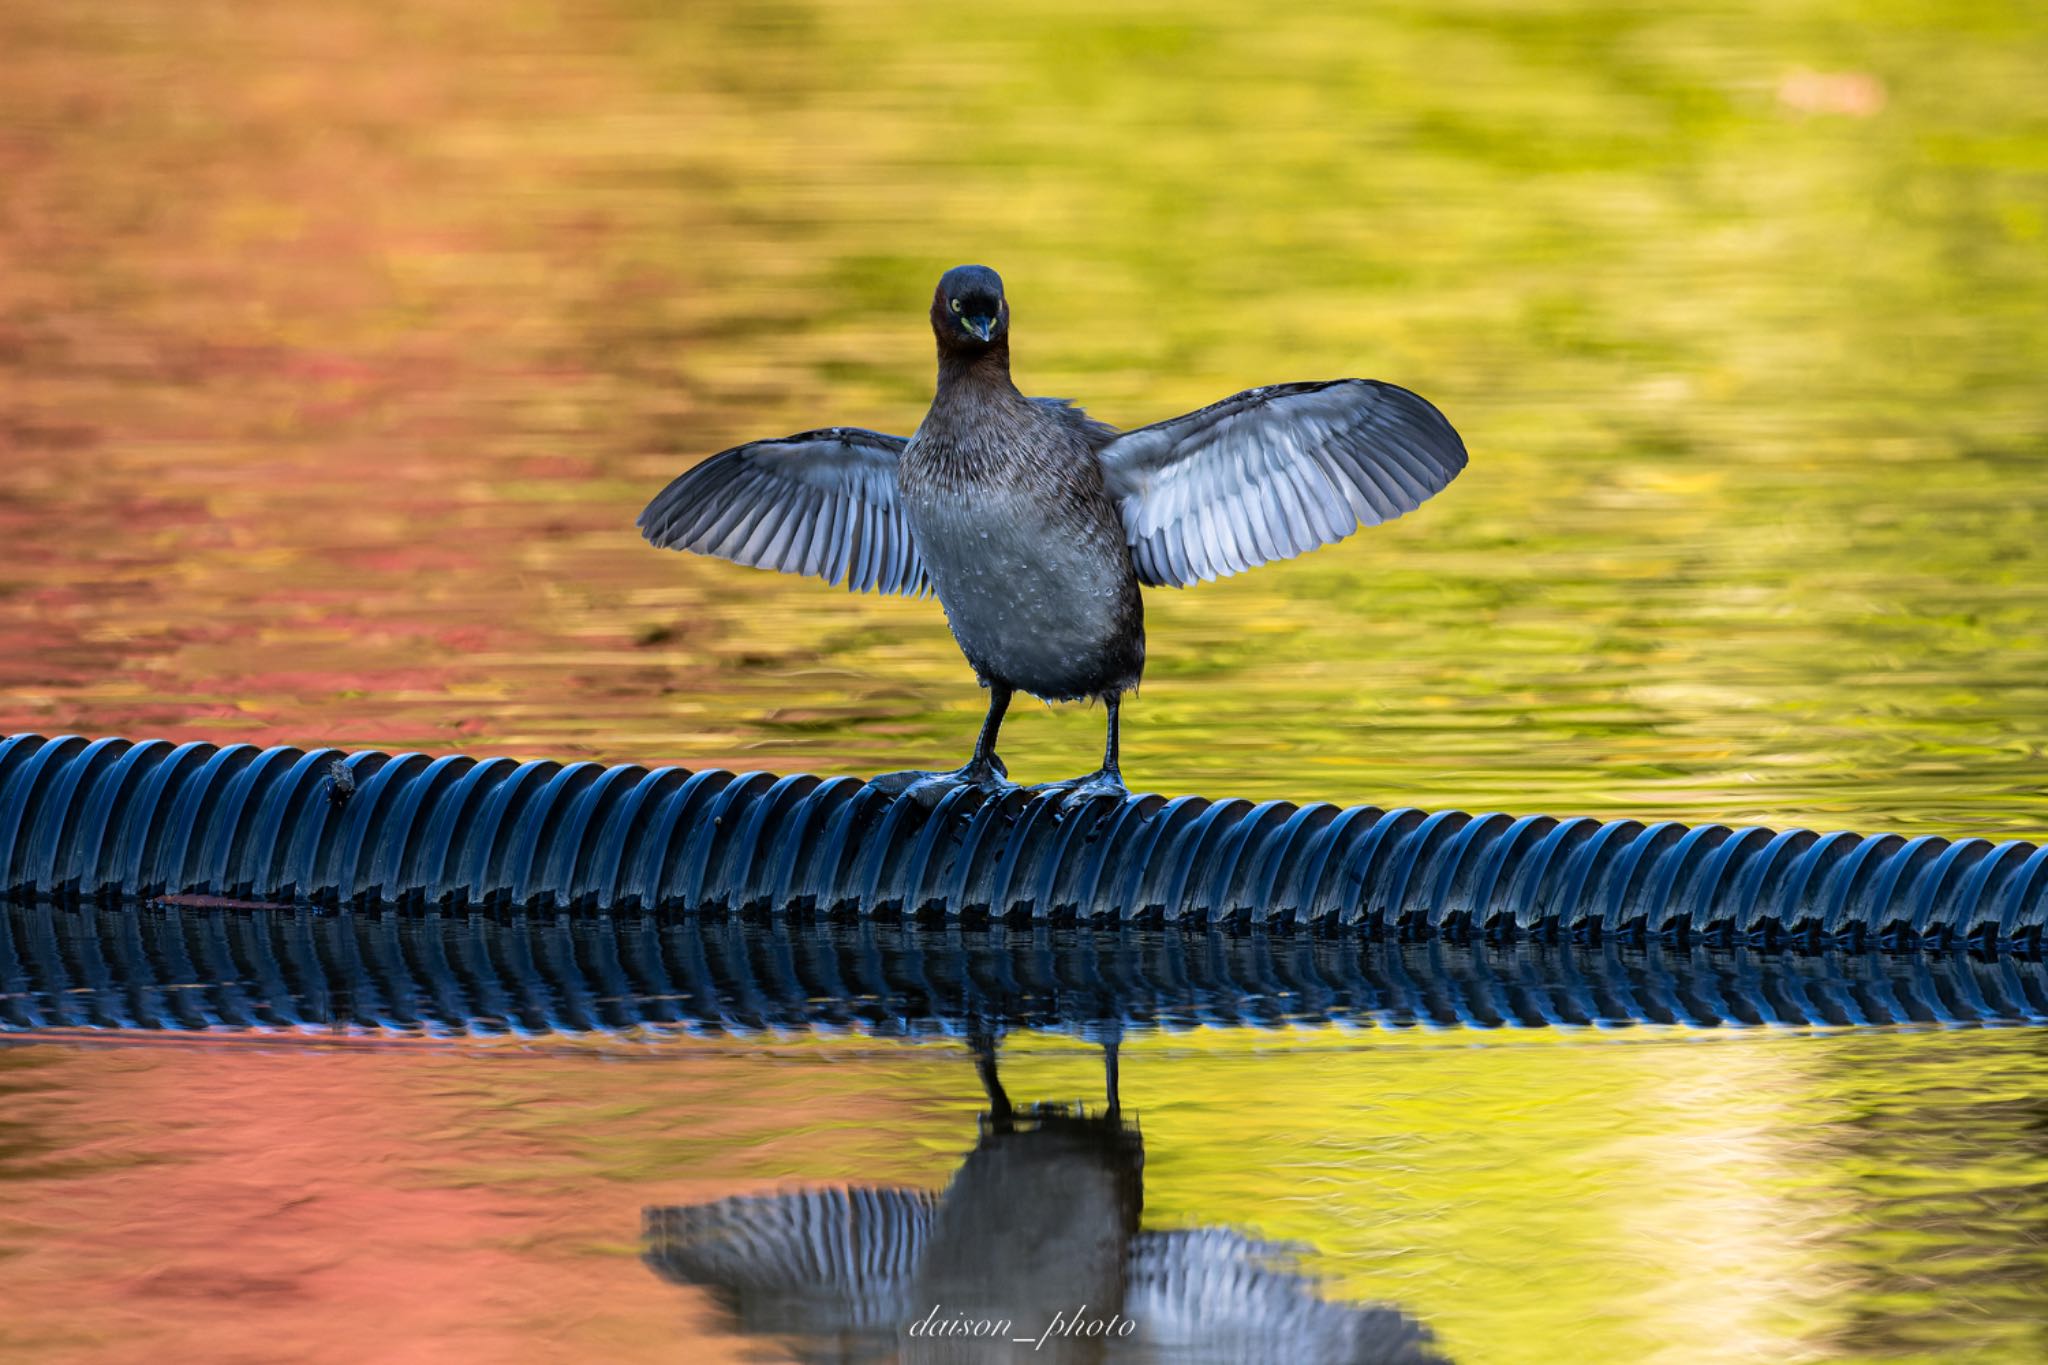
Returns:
<point x="341" y="343"/>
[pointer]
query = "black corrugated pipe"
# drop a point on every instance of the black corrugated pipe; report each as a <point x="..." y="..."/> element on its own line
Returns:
<point x="98" y="819"/>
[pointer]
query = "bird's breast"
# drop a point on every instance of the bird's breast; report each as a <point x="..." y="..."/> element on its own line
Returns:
<point x="1038" y="594"/>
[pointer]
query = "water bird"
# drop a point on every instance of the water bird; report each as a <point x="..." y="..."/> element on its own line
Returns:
<point x="1035" y="524"/>
<point x="1033" y="1252"/>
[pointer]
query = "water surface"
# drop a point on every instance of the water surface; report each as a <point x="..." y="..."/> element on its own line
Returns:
<point x="1652" y="1194"/>
<point x="341" y="343"/>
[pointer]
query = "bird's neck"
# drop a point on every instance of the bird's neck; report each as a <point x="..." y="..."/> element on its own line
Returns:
<point x="984" y="368"/>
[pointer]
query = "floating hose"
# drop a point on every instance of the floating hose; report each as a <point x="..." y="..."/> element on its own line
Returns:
<point x="111" y="819"/>
<point x="183" y="968"/>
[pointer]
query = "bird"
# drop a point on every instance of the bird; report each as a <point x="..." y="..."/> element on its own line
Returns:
<point x="1036" y="526"/>
<point x="1034" y="1251"/>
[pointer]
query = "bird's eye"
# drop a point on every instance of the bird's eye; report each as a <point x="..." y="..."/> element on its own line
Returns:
<point x="955" y="303"/>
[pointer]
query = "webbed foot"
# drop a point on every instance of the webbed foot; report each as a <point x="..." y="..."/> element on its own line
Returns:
<point x="1101" y="782"/>
<point x="991" y="776"/>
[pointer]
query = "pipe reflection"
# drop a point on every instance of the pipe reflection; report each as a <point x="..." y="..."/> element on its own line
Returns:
<point x="639" y="976"/>
<point x="1033" y="1251"/>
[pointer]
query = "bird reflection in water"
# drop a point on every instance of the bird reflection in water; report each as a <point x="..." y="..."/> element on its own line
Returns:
<point x="1032" y="1252"/>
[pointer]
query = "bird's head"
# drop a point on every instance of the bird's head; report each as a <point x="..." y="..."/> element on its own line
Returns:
<point x="969" y="312"/>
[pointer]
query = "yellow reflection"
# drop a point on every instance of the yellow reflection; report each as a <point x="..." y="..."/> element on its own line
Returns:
<point x="333" y="396"/>
<point x="1603" y="1196"/>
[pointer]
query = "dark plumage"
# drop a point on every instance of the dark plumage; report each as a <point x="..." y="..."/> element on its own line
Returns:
<point x="1035" y="524"/>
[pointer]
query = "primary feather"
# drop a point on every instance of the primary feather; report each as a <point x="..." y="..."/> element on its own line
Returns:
<point x="826" y="1261"/>
<point x="1274" y="472"/>
<point x="821" y="503"/>
<point x="1214" y="1295"/>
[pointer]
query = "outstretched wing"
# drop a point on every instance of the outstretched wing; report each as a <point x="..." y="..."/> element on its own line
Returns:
<point x="1274" y="472"/>
<point x="1212" y="1294"/>
<point x="820" y="502"/>
<point x="813" y="1262"/>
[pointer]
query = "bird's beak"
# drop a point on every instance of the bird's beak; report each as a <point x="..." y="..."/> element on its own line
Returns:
<point x="981" y="327"/>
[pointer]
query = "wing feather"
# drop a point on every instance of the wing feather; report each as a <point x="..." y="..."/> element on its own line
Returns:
<point x="1211" y="544"/>
<point x="893" y="543"/>
<point x="1175" y="537"/>
<point x="721" y="518"/>
<point x="757" y="542"/>
<point x="1214" y="1293"/>
<point x="728" y="529"/>
<point x="832" y="539"/>
<point x="816" y="527"/>
<point x="1408" y="467"/>
<point x="1312" y="495"/>
<point x="1237" y="526"/>
<point x="819" y="1261"/>
<point x="1264" y="513"/>
<point x="1274" y="472"/>
<point x="864" y="560"/>
<point x="1375" y="494"/>
<point x="821" y="503"/>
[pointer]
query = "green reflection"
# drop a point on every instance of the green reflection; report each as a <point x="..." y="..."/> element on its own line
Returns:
<point x="1653" y="1194"/>
<point x="333" y="395"/>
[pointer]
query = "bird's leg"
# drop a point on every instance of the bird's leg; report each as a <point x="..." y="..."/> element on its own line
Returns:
<point x="985" y="768"/>
<point x="1108" y="780"/>
<point x="1116" y="1104"/>
<point x="985" y="1066"/>
<point x="982" y="770"/>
